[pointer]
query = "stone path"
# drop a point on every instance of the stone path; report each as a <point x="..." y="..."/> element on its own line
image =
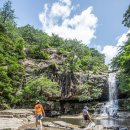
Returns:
<point x="14" y="118"/>
<point x="11" y="123"/>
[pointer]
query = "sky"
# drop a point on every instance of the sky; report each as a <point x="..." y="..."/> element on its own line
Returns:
<point x="97" y="23"/>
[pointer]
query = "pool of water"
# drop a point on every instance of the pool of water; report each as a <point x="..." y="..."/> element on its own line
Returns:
<point x="104" y="122"/>
<point x="114" y="122"/>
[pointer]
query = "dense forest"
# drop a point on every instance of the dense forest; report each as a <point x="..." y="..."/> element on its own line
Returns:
<point x="122" y="61"/>
<point x="20" y="46"/>
<point x="17" y="44"/>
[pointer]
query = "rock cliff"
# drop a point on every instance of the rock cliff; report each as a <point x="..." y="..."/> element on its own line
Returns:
<point x="68" y="81"/>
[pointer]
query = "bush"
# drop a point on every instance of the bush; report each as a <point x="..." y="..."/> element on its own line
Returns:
<point x="43" y="55"/>
<point x="40" y="88"/>
<point x="60" y="51"/>
<point x="88" y="92"/>
<point x="36" y="53"/>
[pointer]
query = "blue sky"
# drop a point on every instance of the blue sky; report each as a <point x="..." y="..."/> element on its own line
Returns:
<point x="98" y="23"/>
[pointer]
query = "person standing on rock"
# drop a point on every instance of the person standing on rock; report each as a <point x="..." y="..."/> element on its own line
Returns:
<point x="86" y="115"/>
<point x="39" y="113"/>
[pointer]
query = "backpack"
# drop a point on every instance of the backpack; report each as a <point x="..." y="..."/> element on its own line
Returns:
<point x="85" y="112"/>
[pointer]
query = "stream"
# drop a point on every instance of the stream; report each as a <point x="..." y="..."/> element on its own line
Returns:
<point x="107" y="123"/>
<point x="100" y="121"/>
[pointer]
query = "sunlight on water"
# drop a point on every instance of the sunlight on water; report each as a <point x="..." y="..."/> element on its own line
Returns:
<point x="112" y="106"/>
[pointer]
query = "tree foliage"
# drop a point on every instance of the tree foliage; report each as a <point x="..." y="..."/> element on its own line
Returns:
<point x="126" y="16"/>
<point x="89" y="92"/>
<point x="12" y="72"/>
<point x="43" y="88"/>
<point x="122" y="61"/>
<point x="18" y="44"/>
<point x="7" y="13"/>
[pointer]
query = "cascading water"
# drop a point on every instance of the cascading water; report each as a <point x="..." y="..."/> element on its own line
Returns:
<point x="111" y="106"/>
<point x="113" y="91"/>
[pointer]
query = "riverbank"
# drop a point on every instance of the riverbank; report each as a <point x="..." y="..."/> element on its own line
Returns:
<point x="23" y="119"/>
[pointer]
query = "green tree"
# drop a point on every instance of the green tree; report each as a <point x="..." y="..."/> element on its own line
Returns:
<point x="88" y="92"/>
<point x="41" y="88"/>
<point x="56" y="41"/>
<point x="28" y="33"/>
<point x="21" y="43"/>
<point x="5" y="86"/>
<point x="34" y="36"/>
<point x="126" y="16"/>
<point x="7" y="13"/>
<point x="12" y="72"/>
<point x="122" y="61"/>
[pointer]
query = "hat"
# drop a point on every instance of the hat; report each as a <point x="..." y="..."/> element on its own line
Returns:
<point x="37" y="101"/>
<point x="85" y="107"/>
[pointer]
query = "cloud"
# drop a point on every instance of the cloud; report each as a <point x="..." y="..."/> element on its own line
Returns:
<point x="57" y="19"/>
<point x="61" y="9"/>
<point x="97" y="47"/>
<point x="111" y="51"/>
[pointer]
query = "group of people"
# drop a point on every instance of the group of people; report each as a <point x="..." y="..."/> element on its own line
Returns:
<point x="40" y="113"/>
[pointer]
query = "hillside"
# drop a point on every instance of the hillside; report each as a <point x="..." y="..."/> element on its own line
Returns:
<point x="36" y="65"/>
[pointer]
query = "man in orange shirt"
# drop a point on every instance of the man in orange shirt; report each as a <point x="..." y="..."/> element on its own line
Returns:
<point x="39" y="113"/>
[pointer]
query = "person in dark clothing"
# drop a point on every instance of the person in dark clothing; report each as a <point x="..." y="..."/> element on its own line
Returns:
<point x="87" y="118"/>
<point x="85" y="112"/>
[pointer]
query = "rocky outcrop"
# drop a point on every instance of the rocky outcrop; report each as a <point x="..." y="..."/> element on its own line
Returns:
<point x="11" y="124"/>
<point x="15" y="118"/>
<point x="68" y="81"/>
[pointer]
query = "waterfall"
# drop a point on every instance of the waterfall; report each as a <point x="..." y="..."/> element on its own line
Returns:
<point x="112" y="105"/>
